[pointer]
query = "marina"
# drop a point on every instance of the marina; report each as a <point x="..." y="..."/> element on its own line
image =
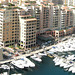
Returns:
<point x="37" y="37"/>
<point x="61" y="54"/>
<point x="47" y="67"/>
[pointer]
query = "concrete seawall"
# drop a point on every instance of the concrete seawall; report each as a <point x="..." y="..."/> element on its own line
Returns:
<point x="24" y="55"/>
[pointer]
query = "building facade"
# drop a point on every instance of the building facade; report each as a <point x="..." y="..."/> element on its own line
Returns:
<point x="27" y="31"/>
<point x="9" y="26"/>
<point x="69" y="2"/>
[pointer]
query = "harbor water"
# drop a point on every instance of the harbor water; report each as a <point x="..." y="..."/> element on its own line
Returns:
<point x="46" y="67"/>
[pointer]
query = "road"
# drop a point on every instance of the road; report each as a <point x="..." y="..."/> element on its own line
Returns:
<point x="24" y="55"/>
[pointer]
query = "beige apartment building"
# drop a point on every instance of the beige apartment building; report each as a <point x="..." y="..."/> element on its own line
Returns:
<point x="42" y="14"/>
<point x="16" y="27"/>
<point x="50" y="16"/>
<point x="9" y="26"/>
<point x="69" y="2"/>
<point x="27" y="31"/>
<point x="54" y="16"/>
<point x="68" y="16"/>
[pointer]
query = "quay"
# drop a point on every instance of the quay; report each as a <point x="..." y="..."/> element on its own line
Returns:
<point x="29" y="54"/>
<point x="24" y="55"/>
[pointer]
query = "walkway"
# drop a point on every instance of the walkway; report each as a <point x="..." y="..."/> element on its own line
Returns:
<point x="25" y="55"/>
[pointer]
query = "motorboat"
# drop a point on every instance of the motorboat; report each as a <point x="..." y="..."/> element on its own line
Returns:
<point x="68" y="65"/>
<point x="59" y="62"/>
<point x="4" y="73"/>
<point x="62" y="64"/>
<point x="17" y="64"/>
<point x="5" y="67"/>
<point x="36" y="58"/>
<point x="42" y="54"/>
<point x="71" y="68"/>
<point x="24" y="62"/>
<point x="30" y="63"/>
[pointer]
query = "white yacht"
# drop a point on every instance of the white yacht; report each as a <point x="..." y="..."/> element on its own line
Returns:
<point x="34" y="57"/>
<point x="68" y="65"/>
<point x="5" y="67"/>
<point x="62" y="64"/>
<point x="59" y="62"/>
<point x="31" y="64"/>
<point x="71" y="68"/>
<point x="24" y="62"/>
<point x="4" y="73"/>
<point x="42" y="54"/>
<point x="17" y="64"/>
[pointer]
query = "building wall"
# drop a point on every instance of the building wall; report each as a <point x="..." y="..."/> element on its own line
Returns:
<point x="62" y="19"/>
<point x="54" y="17"/>
<point x="42" y="13"/>
<point x="73" y="17"/>
<point x="27" y="31"/>
<point x="69" y="2"/>
<point x="9" y="26"/>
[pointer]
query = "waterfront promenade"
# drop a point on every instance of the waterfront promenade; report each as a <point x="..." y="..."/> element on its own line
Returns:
<point x="29" y="54"/>
<point x="25" y="55"/>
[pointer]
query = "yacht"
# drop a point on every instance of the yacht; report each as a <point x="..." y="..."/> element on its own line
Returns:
<point x="17" y="64"/>
<point x="31" y="64"/>
<point x="24" y="62"/>
<point x="68" y="65"/>
<point x="5" y="67"/>
<point x="36" y="58"/>
<point x="62" y="64"/>
<point x="71" y="68"/>
<point x="4" y="73"/>
<point x="59" y="62"/>
<point x="42" y="54"/>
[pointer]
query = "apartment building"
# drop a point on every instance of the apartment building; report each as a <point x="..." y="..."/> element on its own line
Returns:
<point x="62" y="20"/>
<point x="68" y="17"/>
<point x="50" y="16"/>
<point x="36" y="14"/>
<point x="45" y="18"/>
<point x="44" y="1"/>
<point x="9" y="26"/>
<point x="73" y="17"/>
<point x="21" y="2"/>
<point x="54" y="17"/>
<point x="69" y="2"/>
<point x="42" y="13"/>
<point x="27" y="31"/>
